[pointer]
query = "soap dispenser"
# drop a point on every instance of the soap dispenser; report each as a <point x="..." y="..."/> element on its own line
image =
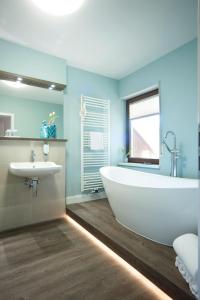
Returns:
<point x="46" y="151"/>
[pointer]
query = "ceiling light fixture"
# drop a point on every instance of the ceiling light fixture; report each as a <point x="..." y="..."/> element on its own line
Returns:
<point x="52" y="86"/>
<point x="59" y="7"/>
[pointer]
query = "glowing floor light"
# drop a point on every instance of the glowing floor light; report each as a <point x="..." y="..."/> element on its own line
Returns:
<point x="136" y="274"/>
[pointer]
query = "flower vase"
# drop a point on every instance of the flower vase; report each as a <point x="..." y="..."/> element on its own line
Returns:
<point x="52" y="131"/>
<point x="44" y="130"/>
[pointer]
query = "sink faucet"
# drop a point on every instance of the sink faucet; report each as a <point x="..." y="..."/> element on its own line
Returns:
<point x="173" y="151"/>
<point x="33" y="155"/>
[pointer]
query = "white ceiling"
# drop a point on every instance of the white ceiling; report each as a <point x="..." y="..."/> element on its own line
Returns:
<point x="109" y="37"/>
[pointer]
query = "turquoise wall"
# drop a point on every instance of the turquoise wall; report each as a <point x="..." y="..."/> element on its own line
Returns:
<point x="28" y="62"/>
<point x="177" y="75"/>
<point x="30" y="113"/>
<point x="89" y="84"/>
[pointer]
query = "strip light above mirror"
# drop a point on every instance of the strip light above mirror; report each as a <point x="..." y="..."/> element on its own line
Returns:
<point x="17" y="79"/>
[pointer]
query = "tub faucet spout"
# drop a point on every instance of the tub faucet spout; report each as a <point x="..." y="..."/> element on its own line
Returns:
<point x="173" y="151"/>
<point x="173" y="134"/>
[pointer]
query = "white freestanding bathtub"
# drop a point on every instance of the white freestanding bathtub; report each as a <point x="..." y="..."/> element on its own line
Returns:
<point x="158" y="207"/>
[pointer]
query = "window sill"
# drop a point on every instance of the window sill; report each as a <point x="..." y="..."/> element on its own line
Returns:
<point x="137" y="165"/>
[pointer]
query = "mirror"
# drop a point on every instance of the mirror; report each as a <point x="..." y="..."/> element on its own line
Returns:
<point x="24" y="107"/>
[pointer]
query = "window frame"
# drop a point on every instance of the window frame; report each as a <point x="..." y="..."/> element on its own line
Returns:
<point x="140" y="97"/>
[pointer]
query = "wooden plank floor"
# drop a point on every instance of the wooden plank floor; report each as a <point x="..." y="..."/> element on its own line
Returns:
<point x="55" y="261"/>
<point x="155" y="261"/>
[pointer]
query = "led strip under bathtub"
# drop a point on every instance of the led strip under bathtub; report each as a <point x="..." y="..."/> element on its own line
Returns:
<point x="137" y="276"/>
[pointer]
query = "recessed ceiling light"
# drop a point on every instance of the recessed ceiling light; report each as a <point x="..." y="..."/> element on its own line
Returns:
<point x="59" y="7"/>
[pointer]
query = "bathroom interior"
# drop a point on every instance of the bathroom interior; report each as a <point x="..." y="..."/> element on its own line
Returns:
<point x="99" y="149"/>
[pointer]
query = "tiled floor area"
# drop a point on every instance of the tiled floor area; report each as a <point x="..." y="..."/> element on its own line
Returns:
<point x="55" y="261"/>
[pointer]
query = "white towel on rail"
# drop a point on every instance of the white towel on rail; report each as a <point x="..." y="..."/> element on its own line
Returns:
<point x="96" y="140"/>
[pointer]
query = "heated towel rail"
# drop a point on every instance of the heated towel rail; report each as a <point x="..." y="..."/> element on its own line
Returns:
<point x="95" y="141"/>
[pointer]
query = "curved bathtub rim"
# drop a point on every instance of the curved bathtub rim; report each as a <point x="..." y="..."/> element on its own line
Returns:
<point x="131" y="216"/>
<point x="195" y="181"/>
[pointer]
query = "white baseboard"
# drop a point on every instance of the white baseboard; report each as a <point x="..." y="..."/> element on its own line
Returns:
<point x="85" y="197"/>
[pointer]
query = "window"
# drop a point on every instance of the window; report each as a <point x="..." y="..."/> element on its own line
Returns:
<point x="143" y="128"/>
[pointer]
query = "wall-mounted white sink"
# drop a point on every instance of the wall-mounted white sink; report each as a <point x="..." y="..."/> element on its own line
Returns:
<point x="34" y="169"/>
